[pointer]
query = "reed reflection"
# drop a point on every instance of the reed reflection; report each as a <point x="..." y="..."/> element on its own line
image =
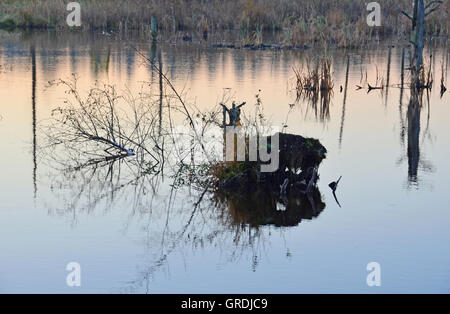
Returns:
<point x="100" y="59"/>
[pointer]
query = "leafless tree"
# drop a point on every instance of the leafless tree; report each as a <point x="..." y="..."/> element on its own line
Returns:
<point x="420" y="11"/>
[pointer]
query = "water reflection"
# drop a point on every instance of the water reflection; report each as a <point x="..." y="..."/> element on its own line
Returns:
<point x="261" y="207"/>
<point x="101" y="185"/>
<point x="168" y="221"/>
<point x="413" y="120"/>
<point x="287" y="212"/>
<point x="317" y="102"/>
<point x="415" y="158"/>
<point x="100" y="59"/>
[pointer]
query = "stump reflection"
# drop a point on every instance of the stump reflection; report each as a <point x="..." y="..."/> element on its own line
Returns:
<point x="264" y="207"/>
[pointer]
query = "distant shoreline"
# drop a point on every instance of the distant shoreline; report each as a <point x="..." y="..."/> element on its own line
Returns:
<point x="230" y="41"/>
<point x="298" y="23"/>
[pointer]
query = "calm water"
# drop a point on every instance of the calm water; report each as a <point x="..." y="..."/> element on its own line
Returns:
<point x="145" y="237"/>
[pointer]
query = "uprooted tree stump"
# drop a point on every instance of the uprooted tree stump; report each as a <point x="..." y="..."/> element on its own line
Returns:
<point x="299" y="160"/>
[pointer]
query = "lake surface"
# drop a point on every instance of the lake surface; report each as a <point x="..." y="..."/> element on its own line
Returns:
<point x="145" y="237"/>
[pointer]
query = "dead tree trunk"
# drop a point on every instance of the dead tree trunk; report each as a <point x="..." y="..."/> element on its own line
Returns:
<point x="418" y="36"/>
<point x="420" y="12"/>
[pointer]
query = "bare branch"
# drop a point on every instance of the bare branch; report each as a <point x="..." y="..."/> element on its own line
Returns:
<point x="128" y="152"/>
<point x="432" y="3"/>
<point x="409" y="16"/>
<point x="431" y="9"/>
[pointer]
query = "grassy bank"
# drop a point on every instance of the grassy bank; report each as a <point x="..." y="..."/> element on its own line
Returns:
<point x="340" y="22"/>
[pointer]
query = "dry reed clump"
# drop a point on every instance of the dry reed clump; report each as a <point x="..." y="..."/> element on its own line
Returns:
<point x="340" y="22"/>
<point x="315" y="86"/>
<point x="316" y="78"/>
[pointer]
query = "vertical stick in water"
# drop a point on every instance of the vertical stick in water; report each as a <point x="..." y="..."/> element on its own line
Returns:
<point x="402" y="75"/>
<point x="343" y="105"/>
<point x="160" y="91"/>
<point x="403" y="67"/>
<point x="33" y="110"/>
<point x="447" y="53"/>
<point x="388" y="75"/>
<point x="402" y="122"/>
